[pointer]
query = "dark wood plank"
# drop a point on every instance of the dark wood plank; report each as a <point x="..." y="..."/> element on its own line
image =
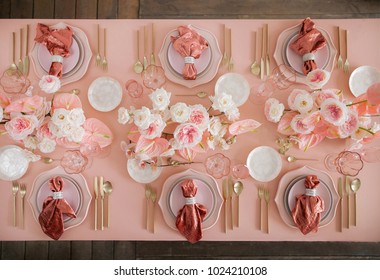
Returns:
<point x="259" y="9"/>
<point x="22" y="8"/>
<point x="124" y="250"/>
<point x="37" y="250"/>
<point x="64" y="9"/>
<point x="86" y="9"/>
<point x="81" y="250"/>
<point x="257" y="250"/>
<point x="102" y="250"/>
<point x="43" y="9"/>
<point x="107" y="9"/>
<point x="13" y="250"/>
<point x="5" y="9"/>
<point x="128" y="9"/>
<point x="59" y="250"/>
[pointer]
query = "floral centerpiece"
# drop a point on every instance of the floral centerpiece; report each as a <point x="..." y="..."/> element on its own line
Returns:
<point x="323" y="113"/>
<point x="186" y="130"/>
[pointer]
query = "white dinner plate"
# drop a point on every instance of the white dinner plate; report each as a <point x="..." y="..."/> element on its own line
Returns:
<point x="362" y="78"/>
<point x="13" y="163"/>
<point x="235" y="85"/>
<point x="264" y="163"/>
<point x="105" y="94"/>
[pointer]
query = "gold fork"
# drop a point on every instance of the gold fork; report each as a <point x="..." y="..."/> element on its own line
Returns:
<point x="231" y="62"/>
<point x="15" y="188"/>
<point x="22" y="194"/>
<point x="98" y="58"/>
<point x="340" y="60"/>
<point x="261" y="196"/>
<point x="153" y="197"/>
<point x="266" y="194"/>
<point x="105" y="62"/>
<point x="346" y="66"/>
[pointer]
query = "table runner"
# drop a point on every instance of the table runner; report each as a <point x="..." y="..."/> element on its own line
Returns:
<point x="128" y="208"/>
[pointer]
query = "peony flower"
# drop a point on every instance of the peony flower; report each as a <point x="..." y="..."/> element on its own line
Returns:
<point x="21" y="126"/>
<point x="187" y="135"/>
<point x="334" y="111"/>
<point x="142" y="117"/>
<point x="47" y="145"/>
<point x="76" y="116"/>
<point x="199" y="116"/>
<point x="317" y="78"/>
<point x="292" y="98"/>
<point x="160" y="98"/>
<point x="50" y="84"/>
<point x="273" y="110"/>
<point x="299" y="126"/>
<point x="123" y="115"/>
<point x="223" y="102"/>
<point x="322" y="95"/>
<point x="180" y="112"/>
<point x="76" y="134"/>
<point x="350" y="125"/>
<point x="303" y="103"/>
<point x="155" y="128"/>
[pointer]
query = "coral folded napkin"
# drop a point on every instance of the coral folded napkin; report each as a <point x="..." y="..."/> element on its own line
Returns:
<point x="190" y="45"/>
<point x="58" y="42"/>
<point x="309" y="206"/>
<point x="53" y="208"/>
<point x="190" y="216"/>
<point x="308" y="41"/>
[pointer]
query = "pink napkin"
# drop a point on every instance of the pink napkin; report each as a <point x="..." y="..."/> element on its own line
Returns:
<point x="190" y="217"/>
<point x="309" y="206"/>
<point x="190" y="45"/>
<point x="309" y="41"/>
<point x="54" y="206"/>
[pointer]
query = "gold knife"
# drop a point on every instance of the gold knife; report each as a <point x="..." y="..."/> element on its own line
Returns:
<point x="230" y="194"/>
<point x="26" y="58"/>
<point x="267" y="66"/>
<point x="348" y="200"/>
<point x="101" y="190"/>
<point x="262" y="55"/>
<point x="340" y="192"/>
<point x="145" y="59"/>
<point x="20" y="63"/>
<point x="225" y="197"/>
<point x="96" y="203"/>
<point x="152" y="58"/>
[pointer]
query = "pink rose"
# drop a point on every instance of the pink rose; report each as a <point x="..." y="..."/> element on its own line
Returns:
<point x="350" y="126"/>
<point x="187" y="135"/>
<point x="21" y="126"/>
<point x="199" y="116"/>
<point x="334" y="111"/>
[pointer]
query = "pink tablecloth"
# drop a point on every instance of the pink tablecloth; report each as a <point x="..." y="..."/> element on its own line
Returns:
<point x="128" y="201"/>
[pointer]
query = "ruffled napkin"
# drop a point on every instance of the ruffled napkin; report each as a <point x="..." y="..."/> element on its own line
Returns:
<point x="58" y="42"/>
<point x="190" y="45"/>
<point x="190" y="217"/>
<point x="54" y="206"/>
<point x="309" y="40"/>
<point x="309" y="206"/>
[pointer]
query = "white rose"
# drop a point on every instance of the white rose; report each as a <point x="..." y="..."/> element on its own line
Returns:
<point x="222" y="102"/>
<point x="1" y="114"/>
<point x="60" y="117"/>
<point x="55" y="130"/>
<point x="216" y="128"/>
<point x="180" y="112"/>
<point x="123" y="116"/>
<point x="160" y="99"/>
<point x="47" y="145"/>
<point x="142" y="117"/>
<point x="50" y="83"/>
<point x="303" y="103"/>
<point x="76" y="116"/>
<point x="76" y="134"/>
<point x="30" y="142"/>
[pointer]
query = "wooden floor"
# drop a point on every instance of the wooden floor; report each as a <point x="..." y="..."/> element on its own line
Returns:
<point x="252" y="9"/>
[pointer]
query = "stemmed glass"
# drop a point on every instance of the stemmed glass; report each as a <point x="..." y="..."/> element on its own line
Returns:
<point x="347" y="163"/>
<point x="282" y="78"/>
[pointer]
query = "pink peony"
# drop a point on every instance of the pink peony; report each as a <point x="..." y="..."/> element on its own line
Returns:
<point x="350" y="125"/>
<point x="299" y="126"/>
<point x="334" y="111"/>
<point x="21" y="126"/>
<point x="317" y="78"/>
<point x="199" y="116"/>
<point x="187" y="135"/>
<point x="155" y="128"/>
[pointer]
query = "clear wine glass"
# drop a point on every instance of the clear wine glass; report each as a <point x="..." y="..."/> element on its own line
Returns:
<point x="347" y="163"/>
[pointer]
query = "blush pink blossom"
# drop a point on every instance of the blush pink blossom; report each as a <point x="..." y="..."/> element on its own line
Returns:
<point x="243" y="126"/>
<point x="27" y="105"/>
<point x="317" y="78"/>
<point x="321" y="95"/>
<point x="187" y="135"/>
<point x="66" y="101"/>
<point x="284" y="126"/>
<point x="306" y="141"/>
<point x="350" y="125"/>
<point x="20" y="126"/>
<point x="299" y="126"/>
<point x="199" y="116"/>
<point x="334" y="111"/>
<point x="155" y="128"/>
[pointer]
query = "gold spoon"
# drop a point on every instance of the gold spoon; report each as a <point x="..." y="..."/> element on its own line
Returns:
<point x="294" y="159"/>
<point x="73" y="91"/>
<point x="13" y="66"/>
<point x="238" y="188"/>
<point x="201" y="94"/>
<point x="138" y="67"/>
<point x="107" y="187"/>
<point x="148" y="193"/>
<point x="355" y="186"/>
<point x="153" y="197"/>
<point x="255" y="67"/>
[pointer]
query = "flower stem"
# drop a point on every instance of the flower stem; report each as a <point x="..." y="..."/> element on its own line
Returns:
<point x="367" y="130"/>
<point x="356" y="103"/>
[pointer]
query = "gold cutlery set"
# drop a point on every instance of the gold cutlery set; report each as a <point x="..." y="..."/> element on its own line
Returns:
<point x="345" y="189"/>
<point x="18" y="188"/>
<point x="264" y="195"/>
<point x="346" y="65"/>
<point x="151" y="198"/>
<point x="229" y="62"/>
<point x="139" y="66"/>
<point x="231" y="190"/>
<point x="264" y="61"/>
<point x="102" y="191"/>
<point x="23" y="61"/>
<point x="100" y="61"/>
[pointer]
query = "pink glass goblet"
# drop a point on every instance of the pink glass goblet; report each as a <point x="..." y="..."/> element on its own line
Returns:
<point x="74" y="162"/>
<point x="133" y="88"/>
<point x="347" y="163"/>
<point x="153" y="77"/>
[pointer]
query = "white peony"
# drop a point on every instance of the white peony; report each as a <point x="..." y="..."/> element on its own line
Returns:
<point x="216" y="128"/>
<point x="47" y="145"/>
<point x="222" y="102"/>
<point x="50" y="84"/>
<point x="180" y="112"/>
<point x="303" y="103"/>
<point x="142" y="117"/>
<point x="123" y="116"/>
<point x="76" y="117"/>
<point x="160" y="98"/>
<point x="273" y="110"/>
